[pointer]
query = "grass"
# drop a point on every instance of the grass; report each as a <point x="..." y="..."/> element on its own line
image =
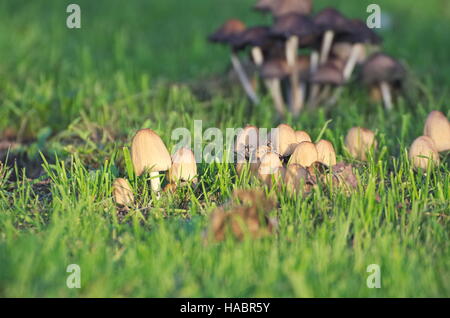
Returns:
<point x="72" y="99"/>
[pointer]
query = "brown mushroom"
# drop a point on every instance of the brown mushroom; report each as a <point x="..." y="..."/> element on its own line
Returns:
<point x="184" y="166"/>
<point x="437" y="127"/>
<point x="359" y="141"/>
<point x="305" y="154"/>
<point x="423" y="152"/>
<point x="326" y="153"/>
<point x="123" y="195"/>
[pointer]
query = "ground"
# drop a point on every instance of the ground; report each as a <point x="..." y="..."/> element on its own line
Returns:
<point x="72" y="99"/>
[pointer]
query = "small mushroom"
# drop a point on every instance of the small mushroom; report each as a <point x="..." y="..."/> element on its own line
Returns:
<point x="123" y="195"/>
<point x="298" y="30"/>
<point x="437" y="127"/>
<point x="326" y="153"/>
<point x="273" y="71"/>
<point x="149" y="153"/>
<point x="302" y="136"/>
<point x="423" y="152"/>
<point x="295" y="178"/>
<point x="359" y="141"/>
<point x="385" y="71"/>
<point x="283" y="140"/>
<point x="226" y="34"/>
<point x="359" y="37"/>
<point x="328" y="75"/>
<point x="284" y="7"/>
<point x="270" y="168"/>
<point x="247" y="143"/>
<point x="305" y="154"/>
<point x="331" y="22"/>
<point x="184" y="166"/>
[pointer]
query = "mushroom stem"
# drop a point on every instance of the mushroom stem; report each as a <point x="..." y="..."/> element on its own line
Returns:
<point x="291" y="57"/>
<point x="257" y="55"/>
<point x="314" y="64"/>
<point x="324" y="93"/>
<point x="155" y="182"/>
<point x="351" y="62"/>
<point x="387" y="96"/>
<point x="274" y="87"/>
<point x="243" y="78"/>
<point x="326" y="46"/>
<point x="335" y="97"/>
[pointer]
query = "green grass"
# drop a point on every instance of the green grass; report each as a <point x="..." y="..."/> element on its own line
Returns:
<point x="78" y="96"/>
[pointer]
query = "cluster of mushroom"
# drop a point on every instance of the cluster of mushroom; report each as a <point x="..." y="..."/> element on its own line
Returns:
<point x="425" y="150"/>
<point x="150" y="155"/>
<point x="307" y="59"/>
<point x="289" y="158"/>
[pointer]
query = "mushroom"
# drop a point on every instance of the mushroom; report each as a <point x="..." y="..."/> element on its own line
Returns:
<point x="305" y="154"/>
<point x="359" y="141"/>
<point x="331" y="22"/>
<point x="295" y="178"/>
<point x="270" y="167"/>
<point x="359" y="37"/>
<point x="258" y="38"/>
<point x="123" y="195"/>
<point x="437" y="127"/>
<point x="184" y="166"/>
<point x="385" y="71"/>
<point x="422" y="152"/>
<point x="149" y="153"/>
<point x="225" y="35"/>
<point x="272" y="72"/>
<point x="299" y="31"/>
<point x="283" y="140"/>
<point x="326" y="153"/>
<point x="245" y="148"/>
<point x="302" y="136"/>
<point x="329" y="75"/>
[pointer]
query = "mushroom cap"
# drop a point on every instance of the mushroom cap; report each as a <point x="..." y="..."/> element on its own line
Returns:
<point x="247" y="142"/>
<point x="359" y="32"/>
<point x="148" y="152"/>
<point x="302" y="136"/>
<point x="283" y="140"/>
<point x="284" y="7"/>
<point x="437" y="127"/>
<point x="227" y="32"/>
<point x="359" y="141"/>
<point x="295" y="177"/>
<point x="254" y="36"/>
<point x="123" y="195"/>
<point x="302" y="67"/>
<point x="381" y="67"/>
<point x="184" y="166"/>
<point x="422" y="151"/>
<point x="326" y="153"/>
<point x="274" y="68"/>
<point x="298" y="25"/>
<point x="270" y="165"/>
<point x="328" y="73"/>
<point x="332" y="19"/>
<point x="305" y="154"/>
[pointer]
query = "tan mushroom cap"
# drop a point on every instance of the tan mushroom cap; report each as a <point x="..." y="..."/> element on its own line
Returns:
<point x="148" y="152"/>
<point x="247" y="142"/>
<point x="123" y="195"/>
<point x="295" y="177"/>
<point x="326" y="153"/>
<point x="184" y="166"/>
<point x="305" y="154"/>
<point x="437" y="127"/>
<point x="283" y="140"/>
<point x="271" y="165"/>
<point x="359" y="141"/>
<point x="422" y="151"/>
<point x="302" y="136"/>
